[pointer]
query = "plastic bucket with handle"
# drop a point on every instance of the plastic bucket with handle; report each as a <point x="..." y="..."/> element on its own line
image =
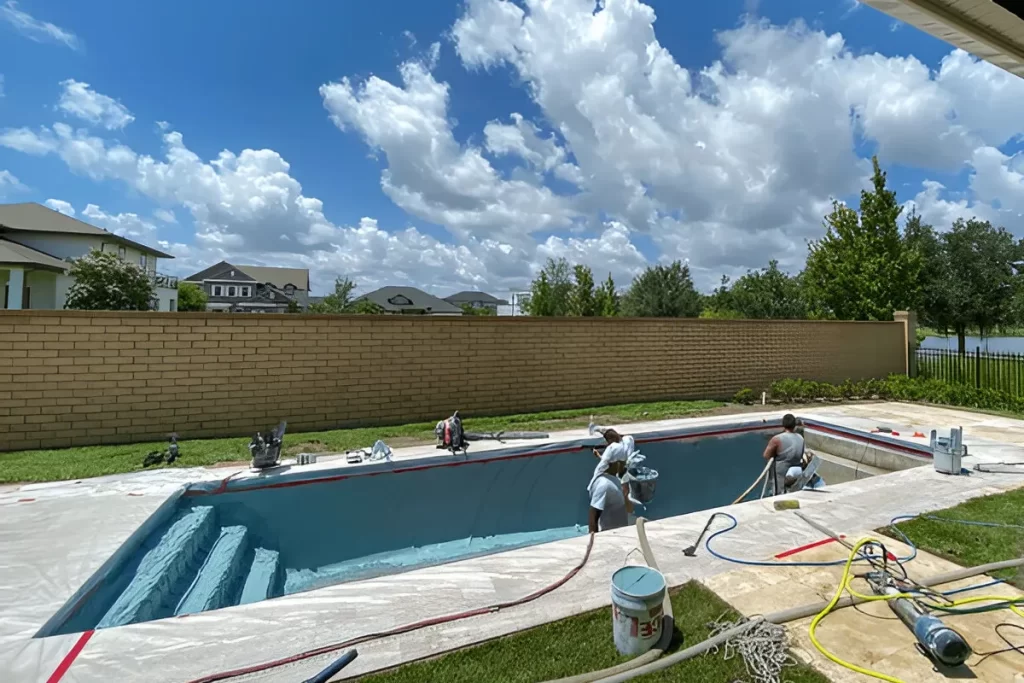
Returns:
<point x="637" y="597"/>
<point x="642" y="484"/>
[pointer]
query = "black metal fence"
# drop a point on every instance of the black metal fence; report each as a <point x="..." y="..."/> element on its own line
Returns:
<point x="1003" y="371"/>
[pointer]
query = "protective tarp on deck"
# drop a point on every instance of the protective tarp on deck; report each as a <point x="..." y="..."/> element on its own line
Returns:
<point x="60" y="541"/>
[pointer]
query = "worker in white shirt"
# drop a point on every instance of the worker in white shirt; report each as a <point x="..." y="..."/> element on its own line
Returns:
<point x="610" y="506"/>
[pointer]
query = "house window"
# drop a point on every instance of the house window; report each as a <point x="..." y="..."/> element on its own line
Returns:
<point x="121" y="252"/>
<point x="217" y="290"/>
<point x="231" y="291"/>
<point x="142" y="261"/>
<point x="245" y="291"/>
<point x="173" y="304"/>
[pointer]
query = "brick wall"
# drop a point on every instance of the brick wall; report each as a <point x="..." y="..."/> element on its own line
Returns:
<point x="75" y="378"/>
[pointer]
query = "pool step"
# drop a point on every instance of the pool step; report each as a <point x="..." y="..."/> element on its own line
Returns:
<point x="165" y="570"/>
<point x="264" y="579"/>
<point x="217" y="583"/>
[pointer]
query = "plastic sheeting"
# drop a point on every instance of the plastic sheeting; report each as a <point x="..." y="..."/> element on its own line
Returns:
<point x="53" y="544"/>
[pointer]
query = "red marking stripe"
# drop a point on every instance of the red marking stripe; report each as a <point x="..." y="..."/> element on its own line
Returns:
<point x="809" y="546"/>
<point x="69" y="658"/>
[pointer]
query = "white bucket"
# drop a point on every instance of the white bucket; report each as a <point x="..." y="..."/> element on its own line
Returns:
<point x="637" y="611"/>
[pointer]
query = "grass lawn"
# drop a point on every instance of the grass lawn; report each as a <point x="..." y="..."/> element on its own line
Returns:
<point x="584" y="643"/>
<point x="970" y="546"/>
<point x="94" y="461"/>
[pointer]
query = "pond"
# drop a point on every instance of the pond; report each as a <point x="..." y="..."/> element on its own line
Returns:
<point x="990" y="344"/>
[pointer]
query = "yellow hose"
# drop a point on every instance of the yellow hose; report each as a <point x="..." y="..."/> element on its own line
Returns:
<point x="844" y="585"/>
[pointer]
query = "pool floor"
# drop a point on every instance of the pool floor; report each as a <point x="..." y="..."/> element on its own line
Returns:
<point x="245" y="546"/>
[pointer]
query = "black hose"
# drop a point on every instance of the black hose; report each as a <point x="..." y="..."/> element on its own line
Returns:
<point x="333" y="668"/>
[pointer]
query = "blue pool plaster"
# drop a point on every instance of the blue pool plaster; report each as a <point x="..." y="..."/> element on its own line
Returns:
<point x="282" y="535"/>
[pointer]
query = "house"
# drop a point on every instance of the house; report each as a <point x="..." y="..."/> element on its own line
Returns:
<point x="410" y="301"/>
<point x="38" y="244"/>
<point x="476" y="300"/>
<point x="253" y="289"/>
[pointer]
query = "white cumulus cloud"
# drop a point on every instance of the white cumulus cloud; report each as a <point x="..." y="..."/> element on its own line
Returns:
<point x="79" y="100"/>
<point x="61" y="206"/>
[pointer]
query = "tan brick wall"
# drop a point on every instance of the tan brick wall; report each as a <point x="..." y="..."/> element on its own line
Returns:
<point x="75" y="378"/>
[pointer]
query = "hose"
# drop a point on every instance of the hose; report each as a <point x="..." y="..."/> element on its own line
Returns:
<point x="398" y="630"/>
<point x="771" y="563"/>
<point x="757" y="481"/>
<point x="792" y="614"/>
<point x="667" y="626"/>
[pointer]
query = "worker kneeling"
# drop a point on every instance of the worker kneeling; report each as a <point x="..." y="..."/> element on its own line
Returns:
<point x="610" y="506"/>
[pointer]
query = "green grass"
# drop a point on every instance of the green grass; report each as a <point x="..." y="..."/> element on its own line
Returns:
<point x="970" y="546"/>
<point x="584" y="643"/>
<point x="94" y="461"/>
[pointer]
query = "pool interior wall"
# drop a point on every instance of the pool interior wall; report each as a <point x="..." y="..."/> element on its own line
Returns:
<point x="248" y="545"/>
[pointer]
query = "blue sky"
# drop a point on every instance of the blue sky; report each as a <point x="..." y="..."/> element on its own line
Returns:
<point x="248" y="75"/>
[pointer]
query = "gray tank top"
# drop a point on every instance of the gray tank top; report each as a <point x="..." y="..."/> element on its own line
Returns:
<point x="789" y="453"/>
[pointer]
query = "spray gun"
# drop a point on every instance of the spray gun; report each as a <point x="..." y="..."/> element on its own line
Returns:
<point x="935" y="640"/>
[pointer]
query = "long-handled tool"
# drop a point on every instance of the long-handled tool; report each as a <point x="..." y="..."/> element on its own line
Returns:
<point x="692" y="550"/>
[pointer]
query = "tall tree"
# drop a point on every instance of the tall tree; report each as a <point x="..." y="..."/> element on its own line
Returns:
<point x="663" y="292"/>
<point x="607" y="299"/>
<point x="719" y="303"/>
<point x="341" y="302"/>
<point x="978" y="276"/>
<point x="582" y="298"/>
<point x="931" y="305"/>
<point x="769" y="293"/>
<point x="106" y="282"/>
<point x="862" y="269"/>
<point x="549" y="292"/>
<point x="191" y="297"/>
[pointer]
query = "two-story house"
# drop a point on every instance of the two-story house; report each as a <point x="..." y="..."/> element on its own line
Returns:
<point x="37" y="245"/>
<point x="253" y="289"/>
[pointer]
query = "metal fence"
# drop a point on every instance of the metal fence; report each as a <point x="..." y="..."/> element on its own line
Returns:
<point x="1002" y="371"/>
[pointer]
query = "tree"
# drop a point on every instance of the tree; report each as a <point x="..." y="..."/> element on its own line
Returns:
<point x="549" y="292"/>
<point x="977" y="277"/>
<point x="768" y="294"/>
<point x="606" y="299"/>
<point x="337" y="302"/>
<point x="663" y="292"/>
<point x="191" y="297"/>
<point x="719" y="303"/>
<point x="931" y="305"/>
<point x="293" y="306"/>
<point x="582" y="298"/>
<point x="862" y="268"/>
<point x="106" y="282"/>
<point x="469" y="309"/>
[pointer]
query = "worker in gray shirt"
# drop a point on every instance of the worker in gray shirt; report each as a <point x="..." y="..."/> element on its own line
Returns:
<point x="787" y="449"/>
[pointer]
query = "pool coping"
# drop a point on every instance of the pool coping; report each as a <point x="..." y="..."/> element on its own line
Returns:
<point x="110" y="650"/>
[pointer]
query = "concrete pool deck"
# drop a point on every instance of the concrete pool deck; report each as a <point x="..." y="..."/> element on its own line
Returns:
<point x="51" y="549"/>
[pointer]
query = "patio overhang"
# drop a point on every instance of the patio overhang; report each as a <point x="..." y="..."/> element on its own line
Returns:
<point x="14" y="255"/>
<point x="987" y="29"/>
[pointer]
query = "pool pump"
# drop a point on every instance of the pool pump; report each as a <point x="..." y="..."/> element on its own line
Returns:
<point x="265" y="448"/>
<point x="935" y="640"/>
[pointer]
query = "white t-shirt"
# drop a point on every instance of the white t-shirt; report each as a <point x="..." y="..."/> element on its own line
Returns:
<point x="606" y="496"/>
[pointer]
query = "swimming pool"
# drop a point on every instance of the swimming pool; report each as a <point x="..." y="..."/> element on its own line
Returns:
<point x="259" y="538"/>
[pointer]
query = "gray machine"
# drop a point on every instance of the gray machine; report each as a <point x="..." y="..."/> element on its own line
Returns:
<point x="948" y="452"/>
<point x="265" y="448"/>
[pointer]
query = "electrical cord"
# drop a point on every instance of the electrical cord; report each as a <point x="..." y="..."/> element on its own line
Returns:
<point x="1012" y="648"/>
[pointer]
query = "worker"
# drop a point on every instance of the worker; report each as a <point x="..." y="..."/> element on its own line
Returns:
<point x="794" y="473"/>
<point x="787" y="449"/>
<point x="610" y="506"/>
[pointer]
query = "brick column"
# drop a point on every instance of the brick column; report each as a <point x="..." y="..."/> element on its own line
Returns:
<point x="909" y="320"/>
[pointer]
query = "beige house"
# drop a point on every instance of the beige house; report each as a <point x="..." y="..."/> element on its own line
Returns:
<point x="37" y="245"/>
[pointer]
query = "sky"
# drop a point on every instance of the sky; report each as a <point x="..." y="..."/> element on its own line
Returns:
<point x="459" y="145"/>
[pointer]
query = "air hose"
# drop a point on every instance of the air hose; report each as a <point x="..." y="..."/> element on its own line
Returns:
<point x="667" y="626"/>
<point x="757" y="481"/>
<point x="793" y="614"/>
